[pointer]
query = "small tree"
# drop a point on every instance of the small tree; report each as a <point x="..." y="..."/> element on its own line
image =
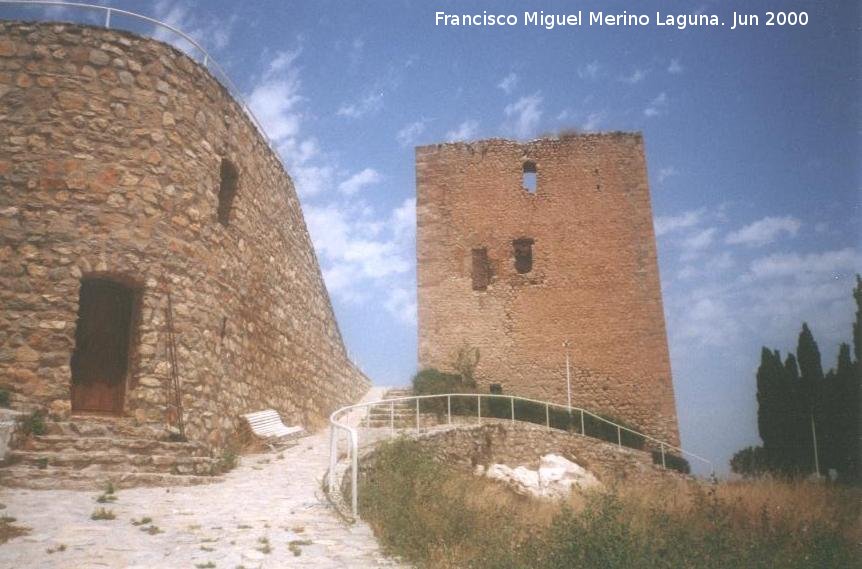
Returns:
<point x="466" y="360"/>
<point x="750" y="461"/>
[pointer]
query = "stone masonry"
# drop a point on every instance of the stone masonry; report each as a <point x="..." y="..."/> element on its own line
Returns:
<point x="122" y="160"/>
<point x="516" y="273"/>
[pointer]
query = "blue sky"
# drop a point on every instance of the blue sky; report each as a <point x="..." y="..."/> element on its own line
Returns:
<point x="752" y="141"/>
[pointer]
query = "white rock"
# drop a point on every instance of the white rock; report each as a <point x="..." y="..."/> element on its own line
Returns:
<point x="554" y="479"/>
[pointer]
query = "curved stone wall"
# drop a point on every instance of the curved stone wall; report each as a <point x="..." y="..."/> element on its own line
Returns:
<point x="522" y="444"/>
<point x="111" y="166"/>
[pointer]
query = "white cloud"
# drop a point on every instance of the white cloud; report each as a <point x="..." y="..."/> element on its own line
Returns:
<point x="509" y="82"/>
<point x="657" y="106"/>
<point x="708" y="319"/>
<point x="593" y="121"/>
<point x="666" y="224"/>
<point x="695" y="243"/>
<point x="408" y="135"/>
<point x="404" y="220"/>
<point x="764" y="231"/>
<point x="213" y="33"/>
<point x="369" y="104"/>
<point x="636" y="76"/>
<point x="312" y="180"/>
<point x="674" y="67"/>
<point x="274" y="103"/>
<point x="465" y="131"/>
<point x="367" y="177"/>
<point x="589" y="71"/>
<point x="524" y="115"/>
<point x="666" y="172"/>
<point x="401" y="303"/>
<point x="829" y="264"/>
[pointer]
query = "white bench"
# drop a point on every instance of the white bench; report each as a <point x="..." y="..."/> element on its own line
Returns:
<point x="267" y="425"/>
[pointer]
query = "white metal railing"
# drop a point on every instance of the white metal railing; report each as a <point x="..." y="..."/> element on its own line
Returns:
<point x="203" y="56"/>
<point x="337" y="425"/>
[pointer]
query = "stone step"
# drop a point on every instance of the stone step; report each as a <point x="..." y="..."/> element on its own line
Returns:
<point x="113" y="461"/>
<point x="94" y="426"/>
<point x="402" y="424"/>
<point x="72" y="479"/>
<point x="66" y="443"/>
<point x="398" y="412"/>
<point x="393" y="393"/>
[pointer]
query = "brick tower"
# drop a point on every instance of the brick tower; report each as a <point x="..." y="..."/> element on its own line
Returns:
<point x="522" y="248"/>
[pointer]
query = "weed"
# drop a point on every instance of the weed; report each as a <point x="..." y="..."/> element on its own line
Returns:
<point x="106" y="498"/>
<point x="175" y="437"/>
<point x="207" y="548"/>
<point x="297" y="529"/>
<point x="52" y="550"/>
<point x="42" y="463"/>
<point x="243" y="526"/>
<point x="103" y="514"/>
<point x="264" y="546"/>
<point x="5" y="399"/>
<point x="152" y="529"/>
<point x="228" y="460"/>
<point x="34" y="424"/>
<point x="8" y="529"/>
<point x="207" y="565"/>
<point x="295" y="546"/>
<point x="143" y="521"/>
<point x="109" y="488"/>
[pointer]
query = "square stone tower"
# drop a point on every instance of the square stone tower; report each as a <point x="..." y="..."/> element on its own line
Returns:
<point x="524" y="248"/>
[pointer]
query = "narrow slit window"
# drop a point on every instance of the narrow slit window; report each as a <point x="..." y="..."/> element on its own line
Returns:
<point x="481" y="272"/>
<point x="227" y="190"/>
<point x="523" y="251"/>
<point x="529" y="179"/>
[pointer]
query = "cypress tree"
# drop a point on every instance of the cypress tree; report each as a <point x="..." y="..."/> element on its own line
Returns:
<point x="771" y="403"/>
<point x="794" y="425"/>
<point x="844" y="410"/>
<point x="810" y="393"/>
<point x="854" y="391"/>
<point x="857" y="325"/>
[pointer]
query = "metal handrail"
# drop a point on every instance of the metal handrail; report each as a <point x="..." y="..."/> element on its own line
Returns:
<point x="206" y="60"/>
<point x="353" y="434"/>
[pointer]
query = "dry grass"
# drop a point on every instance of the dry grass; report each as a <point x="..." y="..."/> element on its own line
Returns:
<point x="8" y="529"/>
<point x="436" y="516"/>
<point x="755" y="502"/>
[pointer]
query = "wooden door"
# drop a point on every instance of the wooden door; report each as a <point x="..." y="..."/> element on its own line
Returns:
<point x="101" y="358"/>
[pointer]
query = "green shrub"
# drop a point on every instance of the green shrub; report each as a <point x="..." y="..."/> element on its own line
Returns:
<point x="751" y="461"/>
<point x="431" y="381"/>
<point x="228" y="460"/>
<point x="672" y="461"/>
<point x="34" y="424"/>
<point x="5" y="398"/>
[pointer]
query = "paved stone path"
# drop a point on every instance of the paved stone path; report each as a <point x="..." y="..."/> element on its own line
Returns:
<point x="249" y="520"/>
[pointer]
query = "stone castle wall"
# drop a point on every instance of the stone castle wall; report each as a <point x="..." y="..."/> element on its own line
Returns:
<point x="522" y="444"/>
<point x="110" y="165"/>
<point x="593" y="282"/>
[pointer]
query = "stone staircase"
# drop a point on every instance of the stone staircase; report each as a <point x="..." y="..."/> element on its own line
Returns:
<point x="86" y="453"/>
<point x="403" y="415"/>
